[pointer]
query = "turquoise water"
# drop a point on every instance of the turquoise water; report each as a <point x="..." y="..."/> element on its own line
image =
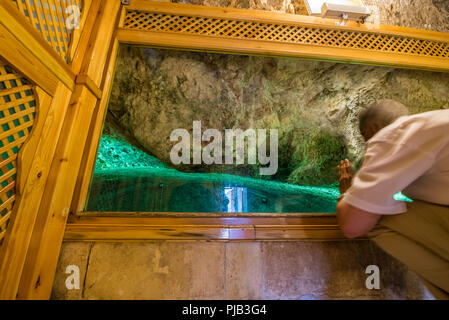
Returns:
<point x="128" y="179"/>
<point x="156" y="189"/>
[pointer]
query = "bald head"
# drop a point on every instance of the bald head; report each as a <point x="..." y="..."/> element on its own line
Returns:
<point x="379" y="115"/>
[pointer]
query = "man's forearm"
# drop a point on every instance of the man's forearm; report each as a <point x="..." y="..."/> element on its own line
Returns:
<point x="355" y="222"/>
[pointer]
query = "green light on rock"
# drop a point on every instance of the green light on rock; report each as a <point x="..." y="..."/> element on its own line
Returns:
<point x="128" y="179"/>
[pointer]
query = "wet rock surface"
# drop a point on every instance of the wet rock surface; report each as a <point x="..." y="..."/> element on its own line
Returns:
<point x="313" y="105"/>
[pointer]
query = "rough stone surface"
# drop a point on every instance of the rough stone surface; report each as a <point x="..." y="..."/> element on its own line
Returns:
<point x="240" y="270"/>
<point x="156" y="271"/>
<point x="314" y="105"/>
<point x="284" y="6"/>
<point x="75" y="254"/>
<point x="244" y="273"/>
<point x="420" y="14"/>
<point x="333" y="271"/>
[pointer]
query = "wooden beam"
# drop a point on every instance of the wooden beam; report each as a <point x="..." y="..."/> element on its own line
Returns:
<point x="42" y="256"/>
<point x="19" y="56"/>
<point x="93" y="140"/>
<point x="78" y="52"/>
<point x="14" y="21"/>
<point x="103" y="35"/>
<point x="88" y="82"/>
<point x="44" y="246"/>
<point x="86" y="17"/>
<point x="323" y="228"/>
<point x="267" y="48"/>
<point x="228" y="30"/>
<point x="279" y="18"/>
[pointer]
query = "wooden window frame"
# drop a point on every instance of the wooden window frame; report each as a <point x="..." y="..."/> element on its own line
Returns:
<point x="141" y="226"/>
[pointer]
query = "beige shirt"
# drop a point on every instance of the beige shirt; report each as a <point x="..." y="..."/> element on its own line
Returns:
<point x="410" y="155"/>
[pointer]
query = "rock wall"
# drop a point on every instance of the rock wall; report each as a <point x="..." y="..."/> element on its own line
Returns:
<point x="420" y="14"/>
<point x="314" y="105"/>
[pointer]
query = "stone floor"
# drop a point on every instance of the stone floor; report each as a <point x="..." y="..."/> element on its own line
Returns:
<point x="237" y="270"/>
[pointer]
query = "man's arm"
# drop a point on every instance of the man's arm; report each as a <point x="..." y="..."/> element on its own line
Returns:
<point x="355" y="222"/>
<point x="387" y="168"/>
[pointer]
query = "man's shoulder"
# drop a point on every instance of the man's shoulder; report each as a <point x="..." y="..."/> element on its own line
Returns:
<point x="434" y="117"/>
<point x="418" y="126"/>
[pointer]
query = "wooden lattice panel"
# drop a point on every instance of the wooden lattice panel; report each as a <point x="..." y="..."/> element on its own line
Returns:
<point x="285" y="33"/>
<point x="49" y="17"/>
<point x="17" y="113"/>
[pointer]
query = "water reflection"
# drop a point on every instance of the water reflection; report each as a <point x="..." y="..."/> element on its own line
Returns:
<point x="237" y="197"/>
<point x="149" y="191"/>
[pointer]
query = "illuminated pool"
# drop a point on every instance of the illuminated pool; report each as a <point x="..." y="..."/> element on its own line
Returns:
<point x="167" y="190"/>
<point x="126" y="179"/>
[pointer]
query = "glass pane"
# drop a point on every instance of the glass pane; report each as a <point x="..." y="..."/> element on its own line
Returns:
<point x="171" y="139"/>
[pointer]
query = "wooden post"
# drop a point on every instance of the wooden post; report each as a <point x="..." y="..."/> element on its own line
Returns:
<point x="53" y="82"/>
<point x="42" y="255"/>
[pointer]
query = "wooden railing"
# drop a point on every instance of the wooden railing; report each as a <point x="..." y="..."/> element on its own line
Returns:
<point x="51" y="80"/>
<point x="18" y="97"/>
<point x="51" y="18"/>
<point x="270" y="33"/>
<point x="17" y="113"/>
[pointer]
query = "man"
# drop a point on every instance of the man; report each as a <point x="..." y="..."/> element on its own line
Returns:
<point x="408" y="154"/>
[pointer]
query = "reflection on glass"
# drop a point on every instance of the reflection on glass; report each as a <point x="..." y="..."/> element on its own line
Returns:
<point x="237" y="199"/>
<point x="168" y="190"/>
